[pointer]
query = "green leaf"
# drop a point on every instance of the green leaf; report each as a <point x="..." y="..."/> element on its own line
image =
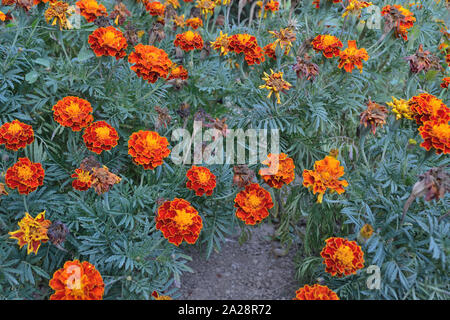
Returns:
<point x="32" y="76"/>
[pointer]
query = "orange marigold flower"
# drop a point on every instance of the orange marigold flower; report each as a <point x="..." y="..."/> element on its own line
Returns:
<point x="58" y="12"/>
<point x="179" y="21"/>
<point x="174" y="3"/>
<point x="32" y="232"/>
<point x="352" y="56"/>
<point x="355" y="6"/>
<point x="108" y="42"/>
<point x="25" y="176"/>
<point x="178" y="72"/>
<point x="194" y="23"/>
<point x="328" y="45"/>
<point x="155" y="8"/>
<point x="315" y="292"/>
<point x="316" y="3"/>
<point x="201" y="180"/>
<point x="83" y="180"/>
<point x="342" y="257"/>
<point x="77" y="281"/>
<point x="399" y="18"/>
<point x="436" y="135"/>
<point x="253" y="204"/>
<point x="159" y="297"/>
<point x="426" y="107"/>
<point x="242" y="43"/>
<point x="150" y="63"/>
<point x="375" y="115"/>
<point x="255" y="56"/>
<point x="222" y="44"/>
<point x="91" y="9"/>
<point x="325" y="176"/>
<point x="3" y="191"/>
<point x="100" y="136"/>
<point x="179" y="221"/>
<point x="73" y="112"/>
<point x="282" y="174"/>
<point x="188" y="41"/>
<point x="206" y="6"/>
<point x="275" y="84"/>
<point x="269" y="50"/>
<point x="15" y="135"/>
<point x="445" y="82"/>
<point x="148" y="148"/>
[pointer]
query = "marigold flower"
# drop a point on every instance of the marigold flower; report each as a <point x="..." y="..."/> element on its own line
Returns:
<point x="179" y="21"/>
<point x="150" y="63"/>
<point x="159" y="297"/>
<point x="269" y="50"/>
<point x="178" y="72"/>
<point x="284" y="38"/>
<point x="242" y="43"/>
<point x="366" y="231"/>
<point x="179" y="221"/>
<point x="305" y="68"/>
<point x="25" y="176"/>
<point x="91" y="9"/>
<point x="221" y="44"/>
<point x="325" y="176"/>
<point x="423" y="60"/>
<point x="32" y="232"/>
<point x="315" y="292"/>
<point x="155" y="8"/>
<point x="355" y="6"/>
<point x="283" y="173"/>
<point x="275" y="84"/>
<point x="401" y="108"/>
<point x="375" y="115"/>
<point x="5" y="17"/>
<point x="342" y="257"/>
<point x="316" y="3"/>
<point x="436" y="135"/>
<point x="400" y="18"/>
<point x="194" y="23"/>
<point x="174" y="3"/>
<point x="148" y="149"/>
<point x="100" y="136"/>
<point x="427" y="107"/>
<point x="201" y="180"/>
<point x="327" y="44"/>
<point x="77" y="281"/>
<point x="206" y="6"/>
<point x="253" y="204"/>
<point x="15" y="135"/>
<point x="108" y="42"/>
<point x="59" y="11"/>
<point x="255" y="56"/>
<point x="352" y="56"/>
<point x="57" y="232"/>
<point x="445" y="82"/>
<point x="83" y="180"/>
<point x="73" y="112"/>
<point x="188" y="41"/>
<point x="270" y="6"/>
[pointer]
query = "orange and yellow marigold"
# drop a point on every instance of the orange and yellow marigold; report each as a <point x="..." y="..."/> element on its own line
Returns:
<point x="188" y="41"/>
<point x="178" y="72"/>
<point x="25" y="176"/>
<point x="148" y="149"/>
<point x="253" y="204"/>
<point x="315" y="292"/>
<point x="194" y="23"/>
<point x="73" y="112"/>
<point x="282" y="171"/>
<point x="155" y="8"/>
<point x="32" y="232"/>
<point x="201" y="180"/>
<point x="275" y="84"/>
<point x="436" y="135"/>
<point x="15" y="135"/>
<point x="83" y="180"/>
<point x="108" y="41"/>
<point x="150" y="63"/>
<point x="327" y="44"/>
<point x="427" y="107"/>
<point x="352" y="56"/>
<point x="342" y="257"/>
<point x="100" y="136"/>
<point x="91" y="9"/>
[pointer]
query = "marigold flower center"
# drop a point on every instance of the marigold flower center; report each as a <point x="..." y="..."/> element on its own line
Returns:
<point x="24" y="172"/>
<point x="151" y="142"/>
<point x="254" y="200"/>
<point x="109" y="38"/>
<point x="189" y="35"/>
<point x="344" y="254"/>
<point x="14" y="128"/>
<point x="328" y="40"/>
<point x="102" y="133"/>
<point x="84" y="176"/>
<point x="73" y="109"/>
<point x="203" y="177"/>
<point x="183" y="219"/>
<point x="442" y="131"/>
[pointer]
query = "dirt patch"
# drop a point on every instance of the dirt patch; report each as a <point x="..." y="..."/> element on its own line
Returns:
<point x="251" y="271"/>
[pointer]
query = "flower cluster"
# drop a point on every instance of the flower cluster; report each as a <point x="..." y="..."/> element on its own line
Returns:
<point x="148" y="149"/>
<point x="188" y="41"/>
<point x="100" y="136"/>
<point x="73" y="112"/>
<point x="401" y="108"/>
<point x="25" y="176"/>
<point x="16" y="135"/>
<point x="108" y="41"/>
<point x="253" y="204"/>
<point x="179" y="221"/>
<point x="342" y="257"/>
<point x="201" y="180"/>
<point x="282" y="174"/>
<point x="32" y="232"/>
<point x="315" y="292"/>
<point x="91" y="9"/>
<point x="150" y="63"/>
<point x="194" y="22"/>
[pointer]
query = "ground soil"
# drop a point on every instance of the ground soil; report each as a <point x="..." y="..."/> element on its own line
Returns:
<point x="255" y="270"/>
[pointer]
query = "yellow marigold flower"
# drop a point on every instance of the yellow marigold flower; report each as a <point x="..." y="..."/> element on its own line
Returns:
<point x="401" y="108"/>
<point x="221" y="43"/>
<point x="32" y="232"/>
<point x="174" y="3"/>
<point x="284" y="39"/>
<point x="275" y="84"/>
<point x="206" y="6"/>
<point x="58" y="12"/>
<point x="355" y="7"/>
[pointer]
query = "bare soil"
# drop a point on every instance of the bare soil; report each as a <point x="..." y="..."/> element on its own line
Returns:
<point x="255" y="270"/>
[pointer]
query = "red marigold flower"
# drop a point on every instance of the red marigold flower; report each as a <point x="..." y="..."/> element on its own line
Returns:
<point x="445" y="82"/>
<point x="15" y="135"/>
<point x="73" y="112"/>
<point x="148" y="148"/>
<point x="194" y="23"/>
<point x="255" y="56"/>
<point x="178" y="72"/>
<point x="100" y="136"/>
<point x="325" y="176"/>
<point x="150" y="63"/>
<point x="155" y="8"/>
<point x="159" y="297"/>
<point x="426" y="107"/>
<point x="328" y="45"/>
<point x="221" y="44"/>
<point x="269" y="50"/>
<point x="436" y="135"/>
<point x="245" y="43"/>
<point x="342" y="257"/>
<point x="77" y="281"/>
<point x="179" y="221"/>
<point x="352" y="56"/>
<point x="272" y="5"/>
<point x="253" y="204"/>
<point x="315" y="292"/>
<point x="283" y="173"/>
<point x="83" y="180"/>
<point x="400" y="18"/>
<point x="108" y="42"/>
<point x="32" y="232"/>
<point x="188" y="41"/>
<point x="201" y="180"/>
<point x="91" y="9"/>
<point x="25" y="176"/>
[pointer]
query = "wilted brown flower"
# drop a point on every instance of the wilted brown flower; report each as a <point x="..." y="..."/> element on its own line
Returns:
<point x="156" y="33"/>
<point x="103" y="179"/>
<point x="218" y="124"/>
<point x="164" y="117"/>
<point x="423" y="60"/>
<point x="24" y="4"/>
<point x="57" y="232"/>
<point x="305" y="68"/>
<point x="375" y="115"/>
<point x="120" y="13"/>
<point x="243" y="175"/>
<point x="89" y="163"/>
<point x="58" y="12"/>
<point x="184" y="110"/>
<point x="102" y="22"/>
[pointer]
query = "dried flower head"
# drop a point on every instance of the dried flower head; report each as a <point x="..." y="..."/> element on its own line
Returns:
<point x="284" y="38"/>
<point x="58" y="12"/>
<point x="304" y="68"/>
<point x="423" y="60"/>
<point x="103" y="180"/>
<point x="375" y="115"/>
<point x="399" y="18"/>
<point x="243" y="175"/>
<point x="164" y="117"/>
<point x="120" y="13"/>
<point x="32" y="232"/>
<point x="275" y="84"/>
<point x="57" y="232"/>
<point x="366" y="231"/>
